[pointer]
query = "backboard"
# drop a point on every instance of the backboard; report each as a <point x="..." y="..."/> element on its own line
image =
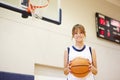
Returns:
<point x="52" y="13"/>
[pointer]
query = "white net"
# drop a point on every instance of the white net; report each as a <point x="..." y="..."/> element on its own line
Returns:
<point x="38" y="6"/>
<point x="37" y="13"/>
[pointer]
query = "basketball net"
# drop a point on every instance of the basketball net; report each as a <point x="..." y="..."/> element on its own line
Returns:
<point x="35" y="7"/>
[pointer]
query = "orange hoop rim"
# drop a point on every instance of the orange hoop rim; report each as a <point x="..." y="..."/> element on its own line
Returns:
<point x="31" y="7"/>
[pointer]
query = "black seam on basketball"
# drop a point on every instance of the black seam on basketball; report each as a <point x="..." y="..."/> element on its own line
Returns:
<point x="81" y="73"/>
<point x="79" y="65"/>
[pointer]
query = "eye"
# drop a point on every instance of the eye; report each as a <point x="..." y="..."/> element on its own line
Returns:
<point x="81" y="32"/>
<point x="75" y="33"/>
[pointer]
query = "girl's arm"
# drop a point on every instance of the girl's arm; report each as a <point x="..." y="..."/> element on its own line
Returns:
<point x="66" y="69"/>
<point x="94" y="63"/>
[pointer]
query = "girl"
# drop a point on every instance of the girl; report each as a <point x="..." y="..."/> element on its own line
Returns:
<point x="79" y="49"/>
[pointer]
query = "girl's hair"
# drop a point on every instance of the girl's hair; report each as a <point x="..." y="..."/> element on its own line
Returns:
<point x="78" y="27"/>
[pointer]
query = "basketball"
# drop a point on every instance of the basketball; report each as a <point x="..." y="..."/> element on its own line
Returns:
<point x="80" y="67"/>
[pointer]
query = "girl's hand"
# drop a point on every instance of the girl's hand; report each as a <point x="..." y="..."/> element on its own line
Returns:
<point x="92" y="69"/>
<point x="67" y="69"/>
<point x="69" y="66"/>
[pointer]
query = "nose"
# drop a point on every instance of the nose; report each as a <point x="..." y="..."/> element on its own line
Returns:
<point x="79" y="34"/>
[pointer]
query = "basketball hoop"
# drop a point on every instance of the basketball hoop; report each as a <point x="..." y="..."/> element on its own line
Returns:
<point x="34" y="7"/>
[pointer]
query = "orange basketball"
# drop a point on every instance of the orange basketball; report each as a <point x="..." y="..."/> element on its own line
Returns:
<point x="80" y="67"/>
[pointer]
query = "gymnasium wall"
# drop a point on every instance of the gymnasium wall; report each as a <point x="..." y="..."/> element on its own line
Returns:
<point x="26" y="45"/>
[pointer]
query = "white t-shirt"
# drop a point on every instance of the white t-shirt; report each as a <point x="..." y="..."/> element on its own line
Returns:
<point x="83" y="52"/>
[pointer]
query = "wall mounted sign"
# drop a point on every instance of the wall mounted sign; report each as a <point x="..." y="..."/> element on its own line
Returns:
<point x="107" y="28"/>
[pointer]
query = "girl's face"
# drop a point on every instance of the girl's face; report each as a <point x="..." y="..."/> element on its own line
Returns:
<point x="78" y="35"/>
